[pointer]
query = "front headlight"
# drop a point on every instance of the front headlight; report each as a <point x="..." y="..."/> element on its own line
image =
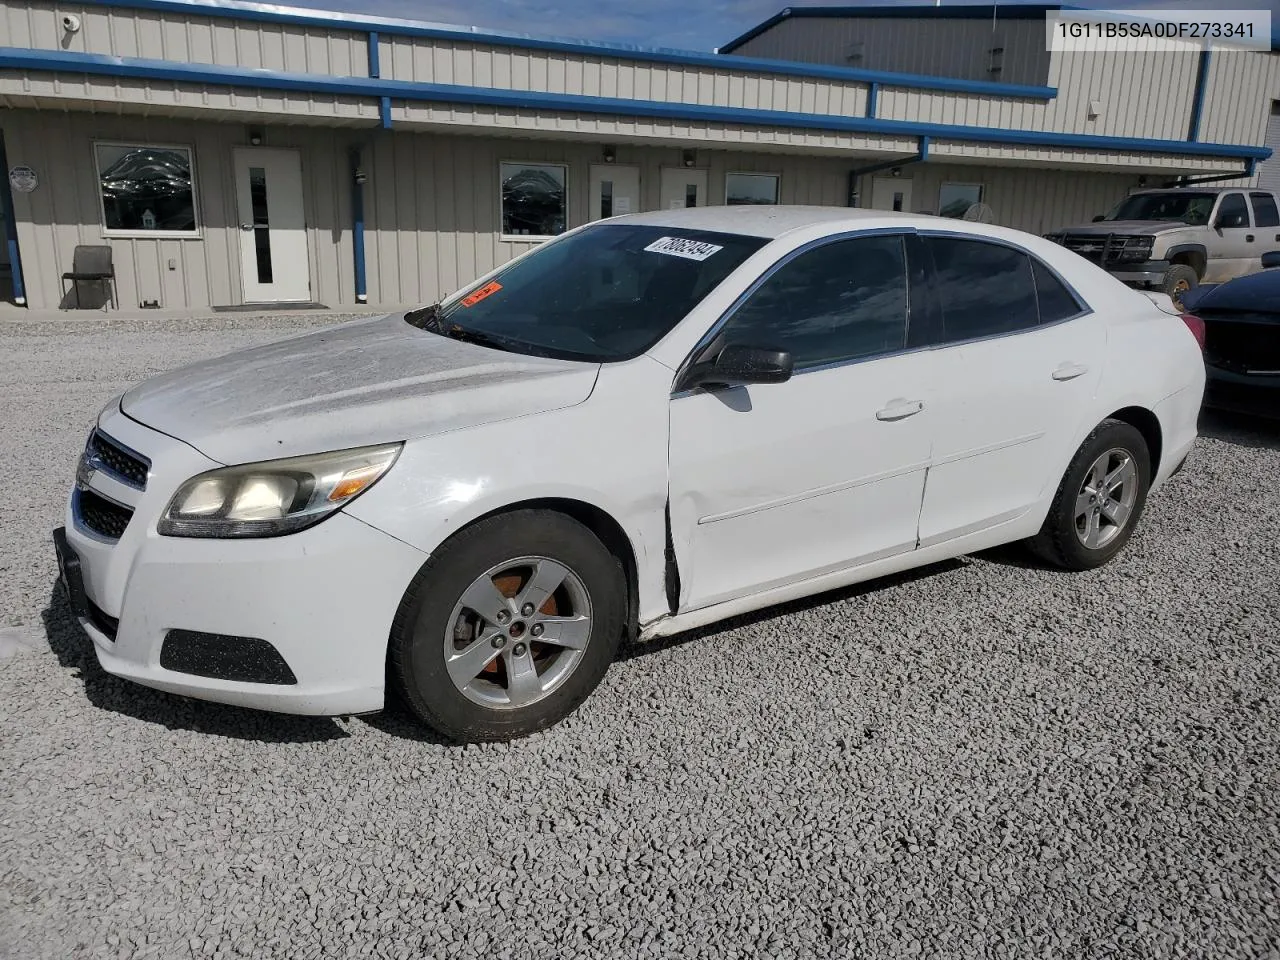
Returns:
<point x="273" y="497"/>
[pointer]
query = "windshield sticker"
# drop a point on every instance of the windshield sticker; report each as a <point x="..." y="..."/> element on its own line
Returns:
<point x="488" y="290"/>
<point x="680" y="247"/>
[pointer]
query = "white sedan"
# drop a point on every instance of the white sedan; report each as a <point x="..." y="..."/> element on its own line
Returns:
<point x="649" y="424"/>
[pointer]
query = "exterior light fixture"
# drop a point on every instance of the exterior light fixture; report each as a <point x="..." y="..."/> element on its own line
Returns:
<point x="689" y="157"/>
<point x="610" y="153"/>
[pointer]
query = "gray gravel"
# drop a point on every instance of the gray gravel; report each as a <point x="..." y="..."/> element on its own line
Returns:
<point x="984" y="759"/>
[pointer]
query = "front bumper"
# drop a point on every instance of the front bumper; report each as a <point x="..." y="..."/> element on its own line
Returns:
<point x="1254" y="394"/>
<point x="1149" y="274"/>
<point x="323" y="598"/>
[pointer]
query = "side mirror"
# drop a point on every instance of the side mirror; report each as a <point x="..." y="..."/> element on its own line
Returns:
<point x="737" y="365"/>
<point x="1271" y="260"/>
<point x="1230" y="221"/>
<point x="1100" y="217"/>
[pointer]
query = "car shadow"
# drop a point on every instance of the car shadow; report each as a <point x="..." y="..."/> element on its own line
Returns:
<point x="74" y="650"/>
<point x="1241" y="429"/>
<point x="644" y="648"/>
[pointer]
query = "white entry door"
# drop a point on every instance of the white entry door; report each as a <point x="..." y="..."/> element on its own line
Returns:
<point x="683" y="187"/>
<point x="891" y="193"/>
<point x="615" y="190"/>
<point x="273" y="235"/>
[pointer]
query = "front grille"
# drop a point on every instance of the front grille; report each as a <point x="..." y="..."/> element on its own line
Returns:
<point x="112" y="457"/>
<point x="100" y="515"/>
<point x="1107" y="250"/>
<point x="222" y="657"/>
<point x="1247" y="343"/>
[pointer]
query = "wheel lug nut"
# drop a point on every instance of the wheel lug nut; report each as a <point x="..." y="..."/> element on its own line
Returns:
<point x="519" y="650"/>
<point x="503" y="616"/>
<point x="527" y="610"/>
<point x="537" y="629"/>
<point x="499" y="642"/>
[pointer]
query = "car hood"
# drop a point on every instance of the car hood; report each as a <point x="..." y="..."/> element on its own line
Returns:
<point x="1139" y="227"/>
<point x="1257" y="293"/>
<point x="346" y="386"/>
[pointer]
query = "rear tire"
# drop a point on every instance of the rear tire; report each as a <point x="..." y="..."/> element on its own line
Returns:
<point x="1099" y="500"/>
<point x="508" y="627"/>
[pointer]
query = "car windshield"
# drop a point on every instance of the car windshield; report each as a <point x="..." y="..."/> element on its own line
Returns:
<point x="603" y="294"/>
<point x="1189" y="208"/>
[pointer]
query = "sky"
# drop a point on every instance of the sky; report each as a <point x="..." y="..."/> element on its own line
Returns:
<point x="683" y="24"/>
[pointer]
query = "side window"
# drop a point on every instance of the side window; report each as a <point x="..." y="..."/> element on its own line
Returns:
<point x="1265" y="213"/>
<point x="983" y="288"/>
<point x="1055" y="301"/>
<point x="1232" y="212"/>
<point x="841" y="301"/>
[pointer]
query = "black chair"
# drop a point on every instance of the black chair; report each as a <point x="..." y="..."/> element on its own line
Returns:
<point x="90" y="264"/>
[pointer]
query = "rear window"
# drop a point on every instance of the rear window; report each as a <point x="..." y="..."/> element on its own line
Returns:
<point x="984" y="288"/>
<point x="1056" y="302"/>
<point x="1264" y="210"/>
<point x="606" y="293"/>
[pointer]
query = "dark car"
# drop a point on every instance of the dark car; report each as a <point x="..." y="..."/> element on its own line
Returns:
<point x="1242" y="341"/>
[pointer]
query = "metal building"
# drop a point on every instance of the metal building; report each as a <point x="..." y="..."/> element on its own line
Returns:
<point x="237" y="153"/>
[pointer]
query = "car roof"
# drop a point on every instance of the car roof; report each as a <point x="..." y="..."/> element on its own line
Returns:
<point x="761" y="220"/>
<point x="1256" y="292"/>
<point x="1194" y="189"/>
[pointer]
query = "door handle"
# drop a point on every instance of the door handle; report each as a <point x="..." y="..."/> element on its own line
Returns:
<point x="899" y="410"/>
<point x="1248" y="238"/>
<point x="1069" y="371"/>
<point x="246" y="226"/>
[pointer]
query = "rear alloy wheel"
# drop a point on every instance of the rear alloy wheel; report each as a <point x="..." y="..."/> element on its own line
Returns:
<point x="508" y="627"/>
<point x="1099" y="500"/>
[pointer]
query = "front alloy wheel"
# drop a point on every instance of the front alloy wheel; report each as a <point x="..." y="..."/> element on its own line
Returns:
<point x="508" y="627"/>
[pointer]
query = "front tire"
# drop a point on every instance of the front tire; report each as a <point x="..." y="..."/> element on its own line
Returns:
<point x="1099" y="500"/>
<point x="1180" y="280"/>
<point x="508" y="627"/>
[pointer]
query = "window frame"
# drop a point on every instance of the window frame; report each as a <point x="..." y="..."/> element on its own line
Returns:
<point x="1253" y="195"/>
<point x="982" y="193"/>
<point x="505" y="237"/>
<point x="1243" y="194"/>
<point x="777" y="186"/>
<point x="197" y="233"/>
<point x="695" y="355"/>
<point x="931" y="287"/>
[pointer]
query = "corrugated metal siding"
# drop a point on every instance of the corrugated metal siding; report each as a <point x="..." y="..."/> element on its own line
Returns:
<point x="1140" y="95"/>
<point x="1238" y="97"/>
<point x="191" y="39"/>
<point x="1269" y="171"/>
<point x="469" y="64"/>
<point x="64" y="211"/>
<point x="944" y="48"/>
<point x="1037" y="200"/>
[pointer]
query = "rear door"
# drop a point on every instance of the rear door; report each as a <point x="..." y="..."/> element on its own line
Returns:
<point x="1018" y="364"/>
<point x="1266" y="218"/>
<point x="1234" y="249"/>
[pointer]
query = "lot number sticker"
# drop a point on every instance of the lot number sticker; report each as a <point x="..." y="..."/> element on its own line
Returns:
<point x="679" y="247"/>
<point x="488" y="290"/>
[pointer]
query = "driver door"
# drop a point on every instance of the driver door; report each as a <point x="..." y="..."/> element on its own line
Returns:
<point x="776" y="483"/>
<point x="1235" y="250"/>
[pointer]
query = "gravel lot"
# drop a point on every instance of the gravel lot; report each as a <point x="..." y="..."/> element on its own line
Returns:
<point x="985" y="759"/>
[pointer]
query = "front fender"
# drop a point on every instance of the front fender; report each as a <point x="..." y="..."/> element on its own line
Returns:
<point x="609" y="452"/>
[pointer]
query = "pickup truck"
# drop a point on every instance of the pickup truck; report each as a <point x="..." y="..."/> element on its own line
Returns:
<point x="1174" y="239"/>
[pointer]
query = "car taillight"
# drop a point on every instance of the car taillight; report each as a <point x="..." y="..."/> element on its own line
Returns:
<point x="1196" y="326"/>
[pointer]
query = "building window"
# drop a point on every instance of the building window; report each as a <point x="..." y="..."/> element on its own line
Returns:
<point x="534" y="199"/>
<point x="955" y="198"/>
<point x="742" y="188"/>
<point x="146" y="190"/>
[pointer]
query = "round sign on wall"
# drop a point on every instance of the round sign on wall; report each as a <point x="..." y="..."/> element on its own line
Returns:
<point x="23" y="179"/>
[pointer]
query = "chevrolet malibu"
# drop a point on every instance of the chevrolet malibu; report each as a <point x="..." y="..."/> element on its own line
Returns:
<point x="646" y="425"/>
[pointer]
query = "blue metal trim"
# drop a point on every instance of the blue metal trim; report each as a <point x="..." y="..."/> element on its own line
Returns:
<point x="384" y="112"/>
<point x="375" y="66"/>
<point x="873" y="95"/>
<point x="357" y="230"/>
<point x="11" y="229"/>
<point x="440" y="31"/>
<point x="19" y="58"/>
<point x="924" y="149"/>
<point x="1197" y="100"/>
